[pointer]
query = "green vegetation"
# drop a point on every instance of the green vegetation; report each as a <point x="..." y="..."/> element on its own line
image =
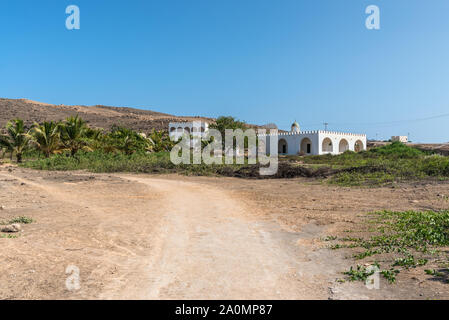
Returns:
<point x="388" y="164"/>
<point x="22" y="220"/>
<point x="330" y="238"/>
<point x="72" y="138"/>
<point x="46" y="138"/>
<point x="73" y="145"/>
<point x="100" y="161"/>
<point x="16" y="140"/>
<point x="140" y="162"/>
<point x="405" y="240"/>
<point x="73" y="135"/>
<point x="434" y="272"/>
<point x="123" y="150"/>
<point x="390" y="275"/>
<point x="8" y="236"/>
<point x="223" y="123"/>
<point x="157" y="162"/>
<point x="360" y="273"/>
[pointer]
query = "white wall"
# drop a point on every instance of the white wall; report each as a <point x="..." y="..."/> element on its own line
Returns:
<point x="403" y="139"/>
<point x="317" y="138"/>
<point x="294" y="142"/>
<point x="337" y="137"/>
<point x="187" y="127"/>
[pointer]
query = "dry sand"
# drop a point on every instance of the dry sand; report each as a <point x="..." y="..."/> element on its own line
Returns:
<point x="175" y="237"/>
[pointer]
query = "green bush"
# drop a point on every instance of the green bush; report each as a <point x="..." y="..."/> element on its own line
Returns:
<point x="415" y="238"/>
<point x="98" y="161"/>
<point x="435" y="166"/>
<point x="383" y="165"/>
<point x="396" y="150"/>
<point x="124" y="150"/>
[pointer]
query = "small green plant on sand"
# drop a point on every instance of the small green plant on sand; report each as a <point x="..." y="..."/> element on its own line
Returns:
<point x="359" y="273"/>
<point x="406" y="240"/>
<point x="21" y="220"/>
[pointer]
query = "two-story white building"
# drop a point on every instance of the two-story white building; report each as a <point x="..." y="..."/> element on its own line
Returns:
<point x="195" y="128"/>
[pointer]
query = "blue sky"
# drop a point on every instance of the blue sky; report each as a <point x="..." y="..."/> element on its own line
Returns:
<point x="258" y="60"/>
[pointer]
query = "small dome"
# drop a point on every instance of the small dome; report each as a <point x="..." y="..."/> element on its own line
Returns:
<point x="295" y="127"/>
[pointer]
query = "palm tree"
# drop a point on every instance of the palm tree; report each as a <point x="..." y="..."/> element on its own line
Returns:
<point x="98" y="140"/>
<point x="159" y="141"/>
<point x="94" y="133"/>
<point x="16" y="140"/>
<point x="126" y="140"/>
<point x="72" y="133"/>
<point x="46" y="138"/>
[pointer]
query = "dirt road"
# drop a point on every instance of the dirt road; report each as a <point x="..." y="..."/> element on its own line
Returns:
<point x="202" y="245"/>
<point x="146" y="237"/>
<point x="207" y="248"/>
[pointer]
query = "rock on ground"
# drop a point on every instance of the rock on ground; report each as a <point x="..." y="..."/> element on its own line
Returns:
<point x="11" y="228"/>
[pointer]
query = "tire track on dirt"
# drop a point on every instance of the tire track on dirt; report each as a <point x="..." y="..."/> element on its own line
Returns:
<point x="207" y="249"/>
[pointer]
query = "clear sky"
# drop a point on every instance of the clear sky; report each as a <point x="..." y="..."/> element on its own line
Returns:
<point x="259" y="60"/>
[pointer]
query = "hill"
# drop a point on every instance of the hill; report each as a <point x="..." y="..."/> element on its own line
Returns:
<point x="96" y="116"/>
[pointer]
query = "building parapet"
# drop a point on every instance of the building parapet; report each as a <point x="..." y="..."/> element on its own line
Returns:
<point x="183" y="123"/>
<point x="311" y="132"/>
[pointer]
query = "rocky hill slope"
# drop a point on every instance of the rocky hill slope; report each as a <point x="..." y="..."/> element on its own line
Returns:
<point x="96" y="116"/>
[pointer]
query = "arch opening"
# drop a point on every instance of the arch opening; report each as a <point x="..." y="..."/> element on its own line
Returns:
<point x="358" y="146"/>
<point x="282" y="146"/>
<point x="327" y="146"/>
<point x="343" y="146"/>
<point x="306" y="146"/>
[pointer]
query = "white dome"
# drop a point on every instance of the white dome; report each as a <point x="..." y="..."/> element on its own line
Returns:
<point x="295" y="127"/>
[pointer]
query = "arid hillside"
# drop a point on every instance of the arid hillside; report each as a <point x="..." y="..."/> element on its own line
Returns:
<point x="97" y="116"/>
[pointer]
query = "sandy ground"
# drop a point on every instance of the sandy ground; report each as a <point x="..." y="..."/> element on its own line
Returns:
<point x="172" y="237"/>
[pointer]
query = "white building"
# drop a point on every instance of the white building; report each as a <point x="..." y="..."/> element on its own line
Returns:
<point x="294" y="142"/>
<point x="403" y="139"/>
<point x="177" y="129"/>
<point x="316" y="142"/>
